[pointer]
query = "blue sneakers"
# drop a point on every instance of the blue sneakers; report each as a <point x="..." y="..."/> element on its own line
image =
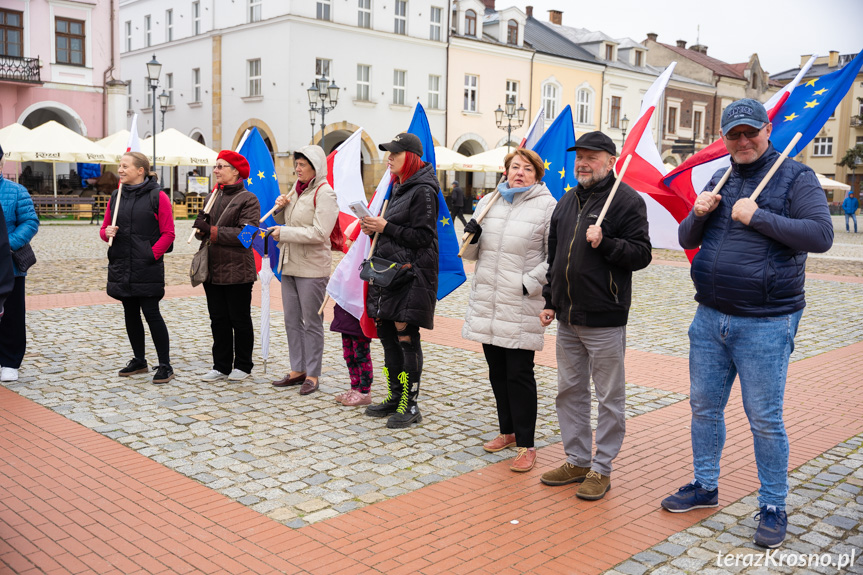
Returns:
<point x="691" y="496"/>
<point x="771" y="527"/>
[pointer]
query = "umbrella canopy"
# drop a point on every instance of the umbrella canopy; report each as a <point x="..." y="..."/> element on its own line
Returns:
<point x="446" y="158"/>
<point x="174" y="148"/>
<point x="54" y="142"/>
<point x="11" y="137"/>
<point x="490" y="161"/>
<point x="115" y="144"/>
<point x="829" y="184"/>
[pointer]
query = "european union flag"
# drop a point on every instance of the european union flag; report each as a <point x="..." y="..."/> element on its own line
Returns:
<point x="262" y="182"/>
<point x="811" y="104"/>
<point x="450" y="268"/>
<point x="248" y="233"/>
<point x="559" y="164"/>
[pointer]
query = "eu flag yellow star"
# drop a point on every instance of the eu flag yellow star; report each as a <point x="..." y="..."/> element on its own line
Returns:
<point x="260" y="175"/>
<point x="562" y="173"/>
<point x="547" y="164"/>
<point x="567" y="188"/>
<point x="249" y="181"/>
<point x="791" y="117"/>
<point x="811" y="104"/>
<point x="444" y="221"/>
<point x="811" y="82"/>
<point x="262" y="233"/>
<point x="275" y="177"/>
<point x="819" y="92"/>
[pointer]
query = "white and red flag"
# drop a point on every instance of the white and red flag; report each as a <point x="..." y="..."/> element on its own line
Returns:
<point x="535" y="131"/>
<point x="134" y="144"/>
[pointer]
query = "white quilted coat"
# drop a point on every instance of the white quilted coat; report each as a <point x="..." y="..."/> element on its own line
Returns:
<point x="512" y="252"/>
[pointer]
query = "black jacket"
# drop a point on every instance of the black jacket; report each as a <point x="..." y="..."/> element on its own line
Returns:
<point x="457" y="196"/>
<point x="593" y="287"/>
<point x="133" y="271"/>
<point x="410" y="236"/>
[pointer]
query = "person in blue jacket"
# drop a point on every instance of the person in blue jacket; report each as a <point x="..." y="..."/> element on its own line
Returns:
<point x="7" y="273"/>
<point x="748" y="277"/>
<point x="22" y="223"/>
<point x="849" y="206"/>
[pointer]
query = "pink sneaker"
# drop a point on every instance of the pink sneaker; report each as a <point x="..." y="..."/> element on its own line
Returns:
<point x="357" y="398"/>
<point x="342" y="396"/>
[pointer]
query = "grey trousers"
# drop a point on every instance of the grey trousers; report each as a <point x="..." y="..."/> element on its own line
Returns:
<point x="583" y="352"/>
<point x="302" y="298"/>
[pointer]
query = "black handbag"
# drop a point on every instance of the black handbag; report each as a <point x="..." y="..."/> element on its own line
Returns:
<point x="386" y="274"/>
<point x="24" y="257"/>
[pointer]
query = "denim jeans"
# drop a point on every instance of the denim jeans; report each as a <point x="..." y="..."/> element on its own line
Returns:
<point x="722" y="346"/>
<point x="853" y="217"/>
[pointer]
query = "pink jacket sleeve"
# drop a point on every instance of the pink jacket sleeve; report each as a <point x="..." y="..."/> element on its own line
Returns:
<point x="166" y="226"/>
<point x="106" y="221"/>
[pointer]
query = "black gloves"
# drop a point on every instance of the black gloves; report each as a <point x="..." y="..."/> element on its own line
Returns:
<point x="473" y="227"/>
<point x="202" y="222"/>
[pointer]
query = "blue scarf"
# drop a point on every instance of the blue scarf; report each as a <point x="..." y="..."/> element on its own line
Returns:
<point x="508" y="193"/>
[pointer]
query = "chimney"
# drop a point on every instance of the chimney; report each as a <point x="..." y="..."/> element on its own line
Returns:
<point x="489" y="4"/>
<point x="699" y="48"/>
<point x="833" y="59"/>
<point x="804" y="58"/>
<point x="529" y="11"/>
<point x="555" y="17"/>
<point x="681" y="43"/>
<point x="652" y="36"/>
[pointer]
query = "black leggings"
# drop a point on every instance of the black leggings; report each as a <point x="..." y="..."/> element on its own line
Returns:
<point x="132" y="307"/>
<point x="401" y="356"/>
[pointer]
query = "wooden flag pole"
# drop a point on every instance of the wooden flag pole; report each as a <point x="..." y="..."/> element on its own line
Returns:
<point x="116" y="211"/>
<point x="721" y="183"/>
<point x="207" y="209"/>
<point x="268" y="214"/>
<point x="613" y="190"/>
<point x="466" y="238"/>
<point x="776" y="165"/>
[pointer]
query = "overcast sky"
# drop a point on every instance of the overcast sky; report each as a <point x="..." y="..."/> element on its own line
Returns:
<point x="778" y="30"/>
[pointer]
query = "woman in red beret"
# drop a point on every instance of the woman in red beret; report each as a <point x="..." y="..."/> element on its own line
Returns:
<point x="231" y="268"/>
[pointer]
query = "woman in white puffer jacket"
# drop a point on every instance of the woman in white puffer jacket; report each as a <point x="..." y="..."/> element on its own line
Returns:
<point x="511" y="253"/>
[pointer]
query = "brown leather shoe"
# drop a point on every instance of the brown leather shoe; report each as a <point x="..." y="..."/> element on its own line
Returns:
<point x="500" y="443"/>
<point x="525" y="459"/>
<point x="565" y="474"/>
<point x="288" y="380"/>
<point x="309" y="386"/>
<point x="595" y="486"/>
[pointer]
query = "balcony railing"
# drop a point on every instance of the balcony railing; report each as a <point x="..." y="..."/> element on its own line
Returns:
<point x="20" y="69"/>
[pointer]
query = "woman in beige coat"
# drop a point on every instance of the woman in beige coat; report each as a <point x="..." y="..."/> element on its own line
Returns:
<point x="307" y="215"/>
<point x="511" y="251"/>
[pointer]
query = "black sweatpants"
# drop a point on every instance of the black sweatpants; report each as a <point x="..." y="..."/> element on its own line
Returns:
<point x="230" y="308"/>
<point x="511" y="374"/>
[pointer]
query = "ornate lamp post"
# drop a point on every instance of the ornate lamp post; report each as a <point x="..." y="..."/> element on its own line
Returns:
<point x="510" y="113"/>
<point x="323" y="97"/>
<point x="154" y="69"/>
<point x="163" y="107"/>
<point x="624" y="124"/>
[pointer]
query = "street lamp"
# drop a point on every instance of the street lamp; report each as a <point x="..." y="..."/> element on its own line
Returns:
<point x="163" y="107"/>
<point x="323" y="97"/>
<point x="510" y="113"/>
<point x="154" y="69"/>
<point x="624" y="124"/>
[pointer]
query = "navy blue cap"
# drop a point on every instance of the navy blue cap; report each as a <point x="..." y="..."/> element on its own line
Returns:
<point x="747" y="112"/>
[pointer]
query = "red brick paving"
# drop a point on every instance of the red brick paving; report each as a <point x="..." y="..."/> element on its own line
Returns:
<point x="74" y="501"/>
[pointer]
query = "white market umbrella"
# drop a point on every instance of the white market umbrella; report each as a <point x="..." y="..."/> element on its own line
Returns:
<point x="490" y="161"/>
<point x="447" y="158"/>
<point x="828" y="184"/>
<point x="10" y="138"/>
<point x="173" y="148"/>
<point x="115" y="144"/>
<point x="266" y="274"/>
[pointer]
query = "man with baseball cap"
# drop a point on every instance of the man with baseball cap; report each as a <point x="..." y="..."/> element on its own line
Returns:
<point x="748" y="278"/>
<point x="589" y="291"/>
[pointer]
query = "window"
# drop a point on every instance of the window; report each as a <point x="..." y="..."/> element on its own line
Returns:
<point x="322" y="67"/>
<point x="470" y="23"/>
<point x="549" y="101"/>
<point x="364" y="14"/>
<point x="639" y="58"/>
<point x="401" y="21"/>
<point x="399" y="80"/>
<point x="128" y="29"/>
<point x="363" y="82"/>
<point x="672" y="121"/>
<point x="129" y="96"/>
<point x="69" y="37"/>
<point x="147" y="29"/>
<point x="434" y="29"/>
<point x="323" y="12"/>
<point x="512" y="91"/>
<point x="614" y="120"/>
<point x="471" y="83"/>
<point x="609" y="52"/>
<point x="822" y="147"/>
<point x="512" y="32"/>
<point x="196" y="85"/>
<point x="169" y="88"/>
<point x="696" y="125"/>
<point x="434" y="92"/>
<point x="11" y="33"/>
<point x="196" y="18"/>
<point x="254" y="77"/>
<point x="255" y="10"/>
<point x="582" y="106"/>
<point x="169" y="25"/>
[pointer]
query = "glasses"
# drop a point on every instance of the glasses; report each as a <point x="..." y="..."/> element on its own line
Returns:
<point x="222" y="166"/>
<point x="750" y="134"/>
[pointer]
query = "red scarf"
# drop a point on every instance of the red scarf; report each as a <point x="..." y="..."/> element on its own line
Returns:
<point x="301" y="187"/>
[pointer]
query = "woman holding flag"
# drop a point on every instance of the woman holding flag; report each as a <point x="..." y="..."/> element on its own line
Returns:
<point x="307" y="216"/>
<point x="408" y="235"/>
<point x="136" y="266"/>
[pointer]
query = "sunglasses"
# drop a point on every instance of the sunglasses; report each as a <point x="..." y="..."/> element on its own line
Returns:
<point x="750" y="134"/>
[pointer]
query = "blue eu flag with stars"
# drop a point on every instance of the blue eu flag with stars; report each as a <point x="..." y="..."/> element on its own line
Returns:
<point x="262" y="182"/>
<point x="559" y="164"/>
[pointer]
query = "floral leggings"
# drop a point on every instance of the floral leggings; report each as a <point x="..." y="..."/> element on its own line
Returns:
<point x="359" y="362"/>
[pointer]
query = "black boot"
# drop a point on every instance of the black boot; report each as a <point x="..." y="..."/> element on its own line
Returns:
<point x="391" y="402"/>
<point x="408" y="412"/>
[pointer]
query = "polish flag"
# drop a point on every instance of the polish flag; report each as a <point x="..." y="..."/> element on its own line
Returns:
<point x="535" y="132"/>
<point x="344" y="176"/>
<point x="134" y="144"/>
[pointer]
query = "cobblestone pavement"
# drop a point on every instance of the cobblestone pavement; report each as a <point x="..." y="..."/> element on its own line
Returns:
<point x="825" y="519"/>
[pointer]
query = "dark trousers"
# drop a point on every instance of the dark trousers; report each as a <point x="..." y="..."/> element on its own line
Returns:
<point x="149" y="306"/>
<point x="401" y="356"/>
<point x="230" y="308"/>
<point x="511" y="374"/>
<point x="457" y="212"/>
<point x="13" y="333"/>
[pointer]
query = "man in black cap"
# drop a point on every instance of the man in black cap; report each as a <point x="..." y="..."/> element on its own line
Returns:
<point x="589" y="291"/>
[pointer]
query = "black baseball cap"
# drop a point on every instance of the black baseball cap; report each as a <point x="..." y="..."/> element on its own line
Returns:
<point x="595" y="141"/>
<point x="404" y="142"/>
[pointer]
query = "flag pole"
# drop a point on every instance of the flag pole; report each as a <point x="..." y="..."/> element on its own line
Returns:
<point x="721" y="183"/>
<point x="776" y="165"/>
<point x="116" y="212"/>
<point x="613" y="190"/>
<point x="466" y="238"/>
